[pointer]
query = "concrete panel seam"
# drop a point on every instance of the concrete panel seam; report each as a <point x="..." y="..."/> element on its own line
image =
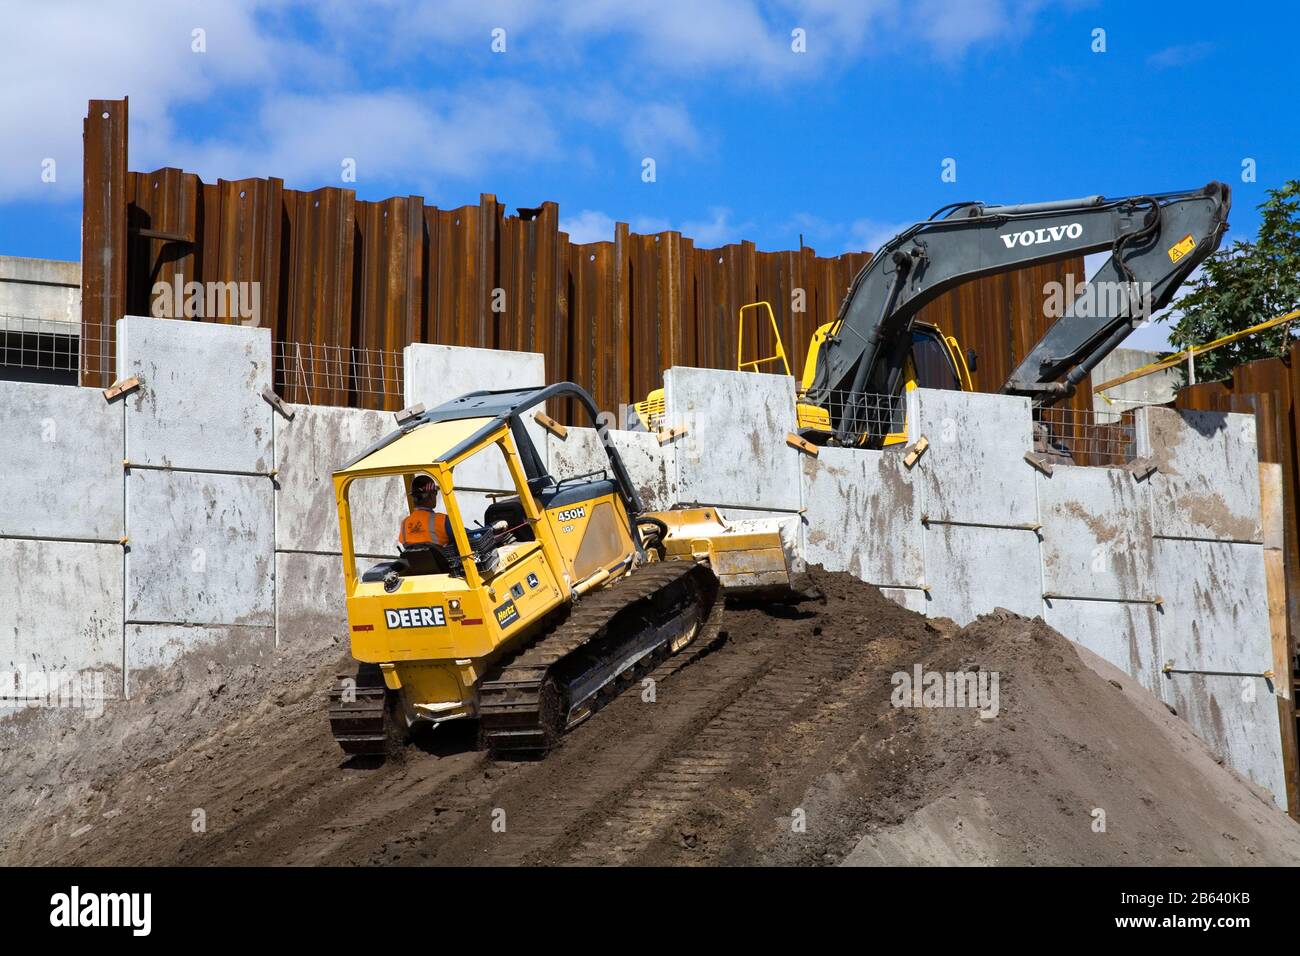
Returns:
<point x="197" y="626"/>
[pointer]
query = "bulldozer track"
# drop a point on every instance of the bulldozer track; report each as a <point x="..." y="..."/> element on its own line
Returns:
<point x="358" y="712"/>
<point x="514" y="700"/>
<point x="722" y="711"/>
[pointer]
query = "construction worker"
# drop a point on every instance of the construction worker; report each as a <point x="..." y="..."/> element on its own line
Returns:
<point x="424" y="525"/>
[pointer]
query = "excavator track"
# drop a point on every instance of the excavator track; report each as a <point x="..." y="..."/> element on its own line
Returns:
<point x="360" y="716"/>
<point x="609" y="636"/>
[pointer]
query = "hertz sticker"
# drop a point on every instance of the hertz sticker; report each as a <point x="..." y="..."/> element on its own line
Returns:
<point x="1181" y="247"/>
<point x="507" y="614"/>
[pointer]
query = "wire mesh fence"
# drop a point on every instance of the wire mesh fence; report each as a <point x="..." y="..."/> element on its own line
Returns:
<point x="54" y="350"/>
<point x="1085" y="436"/>
<point x="315" y="374"/>
<point x="864" y="421"/>
<point x="39" y="348"/>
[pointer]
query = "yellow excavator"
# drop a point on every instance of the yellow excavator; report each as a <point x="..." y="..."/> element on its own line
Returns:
<point x="875" y="350"/>
<point x="534" y="616"/>
<point x="935" y="361"/>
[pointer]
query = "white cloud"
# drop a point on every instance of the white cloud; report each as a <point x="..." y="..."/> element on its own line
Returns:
<point x="834" y="238"/>
<point x="590" y="225"/>
<point x="394" y="136"/>
<point x="306" y="112"/>
<point x="657" y="129"/>
<point x="58" y="56"/>
<point x="748" y="39"/>
<point x="1176" y="56"/>
<point x="717" y="229"/>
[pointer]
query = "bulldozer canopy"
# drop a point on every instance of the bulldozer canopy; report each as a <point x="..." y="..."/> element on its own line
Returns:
<point x="417" y="448"/>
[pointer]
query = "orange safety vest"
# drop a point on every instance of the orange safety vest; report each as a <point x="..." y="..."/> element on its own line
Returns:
<point x="416" y="528"/>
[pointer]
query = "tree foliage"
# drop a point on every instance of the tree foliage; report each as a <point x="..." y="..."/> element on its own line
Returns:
<point x="1243" y="285"/>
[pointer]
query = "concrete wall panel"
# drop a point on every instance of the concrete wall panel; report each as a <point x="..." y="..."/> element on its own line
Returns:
<point x="1215" y="618"/>
<point x="310" y="606"/>
<point x="648" y="464"/>
<point x="734" y="451"/>
<point x="1096" y="534"/>
<point x="1215" y="611"/>
<point x="910" y="598"/>
<point x="308" y="448"/>
<point x="974" y="470"/>
<point x="1124" y="634"/>
<point x="65" y="446"/>
<point x="862" y="516"/>
<point x="434" y="374"/>
<point x="201" y="548"/>
<point x="973" y="570"/>
<point x="61" y="606"/>
<point x="151" y="647"/>
<point x="1207" y="483"/>
<point x="1237" y="717"/>
<point x="200" y="402"/>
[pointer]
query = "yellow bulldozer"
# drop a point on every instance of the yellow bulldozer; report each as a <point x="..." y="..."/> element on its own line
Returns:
<point x="533" y="615"/>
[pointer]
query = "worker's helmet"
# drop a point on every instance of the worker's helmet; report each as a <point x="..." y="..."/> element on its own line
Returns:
<point x="423" y="488"/>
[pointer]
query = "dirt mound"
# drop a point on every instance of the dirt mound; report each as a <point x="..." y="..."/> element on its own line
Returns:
<point x="780" y="742"/>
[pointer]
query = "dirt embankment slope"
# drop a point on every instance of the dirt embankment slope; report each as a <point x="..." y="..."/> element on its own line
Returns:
<point x="778" y="743"/>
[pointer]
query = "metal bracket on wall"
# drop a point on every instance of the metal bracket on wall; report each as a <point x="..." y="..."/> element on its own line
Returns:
<point x="665" y="435"/>
<point x="915" y="450"/>
<point x="801" y="444"/>
<point x="1041" y="462"/>
<point x="1156" y="601"/>
<point x="278" y="403"/>
<point x="1141" y="468"/>
<point x="406" y="414"/>
<point x="1037" y="529"/>
<point x="551" y="425"/>
<point x="1169" y="668"/>
<point x="124" y="387"/>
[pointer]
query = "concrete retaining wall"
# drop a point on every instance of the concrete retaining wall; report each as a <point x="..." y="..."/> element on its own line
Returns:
<point x="1143" y="572"/>
<point x="231" y="533"/>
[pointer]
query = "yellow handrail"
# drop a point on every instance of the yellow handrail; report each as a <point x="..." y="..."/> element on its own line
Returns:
<point x="1179" y="357"/>
<point x="741" y="364"/>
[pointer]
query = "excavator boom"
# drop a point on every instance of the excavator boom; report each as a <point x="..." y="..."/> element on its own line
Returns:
<point x="1155" y="242"/>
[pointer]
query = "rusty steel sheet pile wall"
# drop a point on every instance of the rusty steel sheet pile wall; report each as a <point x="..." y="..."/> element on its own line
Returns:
<point x="344" y="274"/>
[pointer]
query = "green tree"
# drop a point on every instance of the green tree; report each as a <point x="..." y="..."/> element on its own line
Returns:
<point x="1243" y="285"/>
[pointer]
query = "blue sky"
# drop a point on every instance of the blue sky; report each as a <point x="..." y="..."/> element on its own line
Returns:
<point x="842" y="143"/>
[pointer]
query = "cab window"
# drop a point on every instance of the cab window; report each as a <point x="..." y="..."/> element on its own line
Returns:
<point x="932" y="363"/>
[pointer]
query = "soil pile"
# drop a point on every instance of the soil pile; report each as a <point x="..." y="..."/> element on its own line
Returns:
<point x="780" y="742"/>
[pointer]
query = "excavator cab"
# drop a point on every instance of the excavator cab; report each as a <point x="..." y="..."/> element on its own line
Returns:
<point x="933" y="360"/>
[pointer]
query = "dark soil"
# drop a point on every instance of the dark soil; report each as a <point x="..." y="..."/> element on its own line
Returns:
<point x="778" y="743"/>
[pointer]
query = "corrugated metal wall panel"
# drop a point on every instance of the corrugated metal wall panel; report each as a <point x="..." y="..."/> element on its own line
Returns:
<point x="339" y="276"/>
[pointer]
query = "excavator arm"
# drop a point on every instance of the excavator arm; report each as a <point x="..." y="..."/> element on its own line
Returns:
<point x="1155" y="242"/>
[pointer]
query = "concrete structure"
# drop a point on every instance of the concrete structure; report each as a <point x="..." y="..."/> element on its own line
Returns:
<point x="230" y="529"/>
<point x="40" y="320"/>
<point x="44" y="289"/>
<point x="1158" y="388"/>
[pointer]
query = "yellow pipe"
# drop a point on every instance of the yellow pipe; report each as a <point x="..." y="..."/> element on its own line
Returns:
<point x="1180" y="357"/>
